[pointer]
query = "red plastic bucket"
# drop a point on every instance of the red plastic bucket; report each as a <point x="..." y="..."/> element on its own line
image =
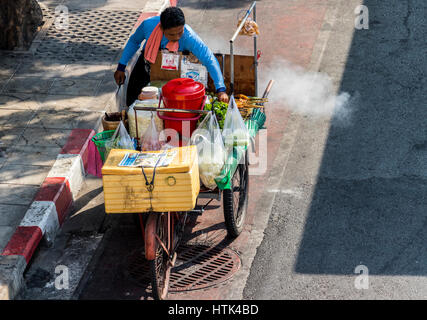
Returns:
<point x="183" y="93"/>
<point x="183" y="126"/>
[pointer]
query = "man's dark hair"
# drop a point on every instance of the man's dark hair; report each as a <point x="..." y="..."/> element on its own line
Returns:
<point x="172" y="17"/>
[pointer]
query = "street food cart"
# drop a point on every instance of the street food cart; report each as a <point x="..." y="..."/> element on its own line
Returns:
<point x="163" y="197"/>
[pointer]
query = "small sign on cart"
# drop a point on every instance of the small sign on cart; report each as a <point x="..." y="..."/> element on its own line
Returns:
<point x="170" y="61"/>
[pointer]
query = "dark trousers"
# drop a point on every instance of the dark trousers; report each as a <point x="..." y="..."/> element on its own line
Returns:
<point x="139" y="78"/>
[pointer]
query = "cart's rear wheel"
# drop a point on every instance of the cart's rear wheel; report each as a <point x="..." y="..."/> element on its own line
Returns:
<point x="235" y="200"/>
<point x="159" y="266"/>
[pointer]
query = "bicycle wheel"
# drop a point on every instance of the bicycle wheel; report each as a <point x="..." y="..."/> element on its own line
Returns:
<point x="235" y="200"/>
<point x="159" y="266"/>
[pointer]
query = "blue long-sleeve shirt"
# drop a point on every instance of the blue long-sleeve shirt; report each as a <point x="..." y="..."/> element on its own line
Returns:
<point x="189" y="41"/>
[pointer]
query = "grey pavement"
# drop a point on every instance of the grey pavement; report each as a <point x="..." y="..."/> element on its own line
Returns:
<point x="355" y="195"/>
<point x="64" y="81"/>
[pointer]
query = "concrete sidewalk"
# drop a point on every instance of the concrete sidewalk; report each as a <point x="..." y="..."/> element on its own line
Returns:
<point x="49" y="96"/>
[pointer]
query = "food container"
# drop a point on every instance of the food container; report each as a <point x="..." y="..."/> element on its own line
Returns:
<point x="110" y="121"/>
<point x="144" y="118"/>
<point x="176" y="186"/>
<point x="148" y="93"/>
<point x="183" y="93"/>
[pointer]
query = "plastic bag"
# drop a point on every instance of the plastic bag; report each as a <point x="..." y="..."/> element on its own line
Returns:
<point x="144" y="117"/>
<point x="150" y="140"/>
<point x="119" y="140"/>
<point x="123" y="88"/>
<point x="210" y="148"/>
<point x="250" y="27"/>
<point x="121" y="97"/>
<point x="235" y="132"/>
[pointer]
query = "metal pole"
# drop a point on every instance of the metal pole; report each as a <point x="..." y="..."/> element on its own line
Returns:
<point x="255" y="55"/>
<point x="231" y="68"/>
<point x="252" y="7"/>
<point x="223" y="65"/>
<point x="243" y="21"/>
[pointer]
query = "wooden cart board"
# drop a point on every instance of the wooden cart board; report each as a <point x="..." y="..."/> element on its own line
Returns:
<point x="176" y="186"/>
<point x="244" y="73"/>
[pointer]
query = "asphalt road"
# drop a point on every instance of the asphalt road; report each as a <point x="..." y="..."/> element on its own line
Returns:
<point x="354" y="194"/>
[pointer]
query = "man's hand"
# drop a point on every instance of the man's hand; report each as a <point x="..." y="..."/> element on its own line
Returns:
<point x="119" y="76"/>
<point x="222" y="96"/>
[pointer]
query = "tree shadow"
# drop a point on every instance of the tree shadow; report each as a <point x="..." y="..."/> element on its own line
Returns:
<point x="369" y="203"/>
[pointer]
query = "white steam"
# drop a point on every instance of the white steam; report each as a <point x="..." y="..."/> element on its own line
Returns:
<point x="306" y="92"/>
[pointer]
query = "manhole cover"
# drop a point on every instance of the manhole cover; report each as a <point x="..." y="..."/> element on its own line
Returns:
<point x="198" y="266"/>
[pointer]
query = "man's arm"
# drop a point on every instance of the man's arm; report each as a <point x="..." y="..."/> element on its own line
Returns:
<point x="131" y="47"/>
<point x="207" y="58"/>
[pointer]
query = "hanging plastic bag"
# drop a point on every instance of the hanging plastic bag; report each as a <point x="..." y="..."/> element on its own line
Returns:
<point x="123" y="88"/>
<point x="210" y="148"/>
<point x="121" y="97"/>
<point x="143" y="117"/>
<point x="250" y="27"/>
<point x="150" y="140"/>
<point x="235" y="132"/>
<point x="120" y="140"/>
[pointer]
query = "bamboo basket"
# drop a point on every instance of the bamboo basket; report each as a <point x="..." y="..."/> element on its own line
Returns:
<point x="112" y="125"/>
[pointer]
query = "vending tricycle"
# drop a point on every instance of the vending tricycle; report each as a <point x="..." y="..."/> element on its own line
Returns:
<point x="164" y="195"/>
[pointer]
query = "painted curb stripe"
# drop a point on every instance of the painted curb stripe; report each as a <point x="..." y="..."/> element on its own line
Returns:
<point x="78" y="143"/>
<point x="57" y="190"/>
<point x="154" y="10"/>
<point x="23" y="242"/>
<point x="42" y="214"/>
<point x="70" y="167"/>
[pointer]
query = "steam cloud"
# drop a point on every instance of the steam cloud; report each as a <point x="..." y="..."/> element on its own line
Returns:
<point x="306" y="92"/>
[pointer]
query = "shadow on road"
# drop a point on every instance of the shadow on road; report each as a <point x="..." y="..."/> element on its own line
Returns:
<point x="369" y="204"/>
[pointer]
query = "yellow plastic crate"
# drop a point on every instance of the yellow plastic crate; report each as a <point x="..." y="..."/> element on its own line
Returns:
<point x="176" y="186"/>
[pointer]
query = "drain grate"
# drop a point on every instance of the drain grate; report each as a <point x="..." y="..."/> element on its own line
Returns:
<point x="198" y="266"/>
<point x="91" y="35"/>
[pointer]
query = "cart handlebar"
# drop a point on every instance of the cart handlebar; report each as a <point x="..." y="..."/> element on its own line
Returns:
<point x="169" y="110"/>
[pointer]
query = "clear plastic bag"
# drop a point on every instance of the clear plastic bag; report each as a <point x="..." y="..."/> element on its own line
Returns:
<point x="235" y="132"/>
<point x="210" y="148"/>
<point x="150" y="141"/>
<point x="123" y="88"/>
<point x="143" y="117"/>
<point x="250" y="27"/>
<point x="120" y="140"/>
<point x="121" y="97"/>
